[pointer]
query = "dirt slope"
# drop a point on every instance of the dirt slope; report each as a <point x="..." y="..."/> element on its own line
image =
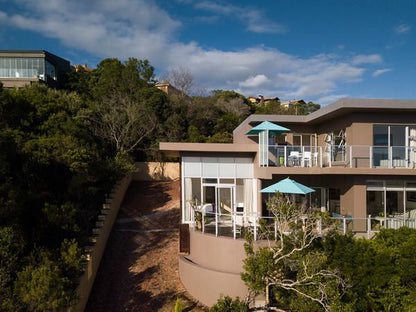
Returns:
<point x="139" y="269"/>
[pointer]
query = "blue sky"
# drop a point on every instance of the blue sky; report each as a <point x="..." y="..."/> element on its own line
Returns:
<point x="315" y="50"/>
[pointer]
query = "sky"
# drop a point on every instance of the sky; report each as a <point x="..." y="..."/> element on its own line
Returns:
<point x="319" y="51"/>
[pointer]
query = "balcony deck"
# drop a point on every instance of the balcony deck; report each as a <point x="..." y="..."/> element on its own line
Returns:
<point x="236" y="226"/>
<point x="348" y="156"/>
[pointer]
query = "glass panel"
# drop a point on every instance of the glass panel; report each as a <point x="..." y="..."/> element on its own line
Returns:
<point x="209" y="195"/>
<point x="226" y="167"/>
<point x="380" y="135"/>
<point x="225" y="200"/>
<point x="394" y="184"/>
<point x="375" y="203"/>
<point x="239" y="195"/>
<point x="192" y="166"/>
<point x="334" y="201"/>
<point x="394" y="203"/>
<point x="297" y="140"/>
<point x="318" y="199"/>
<point x="209" y="167"/>
<point x="227" y="181"/>
<point x="192" y="197"/>
<point x="50" y="70"/>
<point x="210" y="181"/>
<point x="380" y="156"/>
<point x="397" y="135"/>
<point x="22" y="67"/>
<point x="411" y="205"/>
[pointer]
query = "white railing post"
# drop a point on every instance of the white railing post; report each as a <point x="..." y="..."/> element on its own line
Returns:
<point x="285" y="152"/>
<point x="369" y="226"/>
<point x="390" y="155"/>
<point x="234" y="229"/>
<point x="320" y="156"/>
<point x="350" y="156"/>
<point x="371" y="157"/>
<point x="330" y="156"/>
<point x="255" y="228"/>
<point x="344" y="225"/>
<point x="216" y="223"/>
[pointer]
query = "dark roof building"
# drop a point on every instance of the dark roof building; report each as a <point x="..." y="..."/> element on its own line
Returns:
<point x="20" y="68"/>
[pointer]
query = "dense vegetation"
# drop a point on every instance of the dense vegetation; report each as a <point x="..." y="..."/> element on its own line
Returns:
<point x="61" y="152"/>
<point x="54" y="174"/>
<point x="303" y="271"/>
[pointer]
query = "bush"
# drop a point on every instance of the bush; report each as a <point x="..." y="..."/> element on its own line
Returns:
<point x="226" y="304"/>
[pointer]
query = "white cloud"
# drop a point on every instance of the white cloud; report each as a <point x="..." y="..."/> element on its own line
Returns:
<point x="367" y="59"/>
<point x="139" y="28"/>
<point x="379" y="72"/>
<point x="255" y="81"/>
<point x="402" y="29"/>
<point x="255" y="19"/>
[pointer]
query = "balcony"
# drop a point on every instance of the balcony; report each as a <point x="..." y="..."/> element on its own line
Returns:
<point x="236" y="225"/>
<point x="352" y="156"/>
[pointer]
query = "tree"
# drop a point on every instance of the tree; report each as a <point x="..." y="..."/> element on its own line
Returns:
<point x="124" y="108"/>
<point x="181" y="78"/>
<point x="290" y="267"/>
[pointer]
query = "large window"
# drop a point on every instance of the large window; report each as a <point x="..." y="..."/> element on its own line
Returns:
<point x="217" y="184"/>
<point x="390" y="145"/>
<point x="391" y="199"/>
<point x="14" y="67"/>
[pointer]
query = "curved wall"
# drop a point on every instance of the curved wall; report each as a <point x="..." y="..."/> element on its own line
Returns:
<point x="213" y="267"/>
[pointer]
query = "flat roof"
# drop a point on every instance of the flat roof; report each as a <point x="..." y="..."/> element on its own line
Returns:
<point x="29" y="53"/>
<point x="173" y="148"/>
<point x="333" y="110"/>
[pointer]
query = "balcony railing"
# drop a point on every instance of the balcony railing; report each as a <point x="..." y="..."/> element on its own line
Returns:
<point x="353" y="156"/>
<point x="237" y="225"/>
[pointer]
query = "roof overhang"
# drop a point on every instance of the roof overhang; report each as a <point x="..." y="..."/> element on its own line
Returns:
<point x="175" y="149"/>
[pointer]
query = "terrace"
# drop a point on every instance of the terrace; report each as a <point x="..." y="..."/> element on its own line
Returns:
<point x="352" y="156"/>
<point x="236" y="225"/>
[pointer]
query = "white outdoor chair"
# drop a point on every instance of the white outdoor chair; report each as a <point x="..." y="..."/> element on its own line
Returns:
<point x="294" y="158"/>
<point x="307" y="159"/>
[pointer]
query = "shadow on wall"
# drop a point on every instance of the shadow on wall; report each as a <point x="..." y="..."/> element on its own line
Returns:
<point x="156" y="171"/>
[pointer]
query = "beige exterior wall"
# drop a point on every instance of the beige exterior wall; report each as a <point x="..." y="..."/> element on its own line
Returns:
<point x="213" y="267"/>
<point x="17" y="82"/>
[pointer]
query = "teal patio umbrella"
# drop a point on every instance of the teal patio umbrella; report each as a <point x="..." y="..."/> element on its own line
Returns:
<point x="288" y="186"/>
<point x="267" y="125"/>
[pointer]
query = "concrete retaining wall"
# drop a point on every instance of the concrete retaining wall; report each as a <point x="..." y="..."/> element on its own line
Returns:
<point x="99" y="239"/>
<point x="157" y="171"/>
<point x="213" y="267"/>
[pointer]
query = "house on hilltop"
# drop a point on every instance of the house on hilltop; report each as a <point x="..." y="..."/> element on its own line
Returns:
<point x="20" y="68"/>
<point x="359" y="155"/>
<point x="261" y="100"/>
<point x="291" y="103"/>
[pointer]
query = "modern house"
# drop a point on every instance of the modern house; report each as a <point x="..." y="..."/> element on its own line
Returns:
<point x="359" y="155"/>
<point x="20" y="68"/>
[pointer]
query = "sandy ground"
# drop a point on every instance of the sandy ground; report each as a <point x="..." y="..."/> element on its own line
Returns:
<point x="139" y="269"/>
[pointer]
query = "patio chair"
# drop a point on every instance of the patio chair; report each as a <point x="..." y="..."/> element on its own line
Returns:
<point x="307" y="159"/>
<point x="294" y="158"/>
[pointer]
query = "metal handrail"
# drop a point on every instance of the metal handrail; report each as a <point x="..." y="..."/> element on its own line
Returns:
<point x="368" y="226"/>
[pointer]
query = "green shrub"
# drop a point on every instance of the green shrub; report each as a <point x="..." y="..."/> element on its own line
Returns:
<point x="227" y="304"/>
